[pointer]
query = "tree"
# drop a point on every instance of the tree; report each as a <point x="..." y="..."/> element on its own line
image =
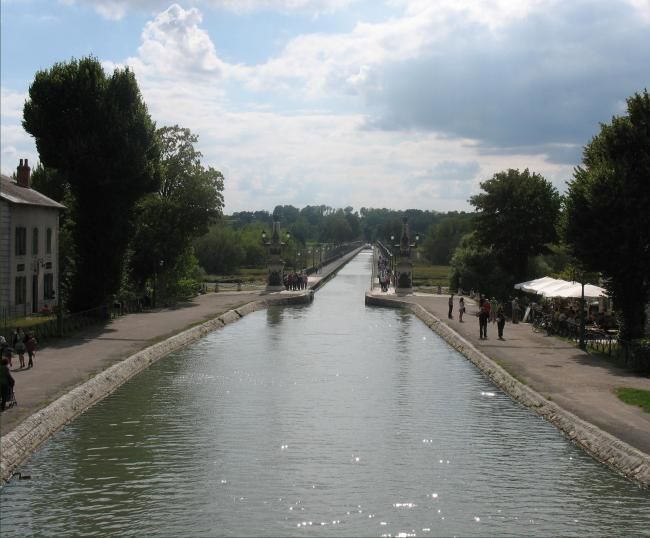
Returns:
<point x="188" y="201"/>
<point x="96" y="132"/>
<point x="443" y="237"/>
<point x="607" y="216"/>
<point x="518" y="217"/>
<point x="220" y="251"/>
<point x="474" y="266"/>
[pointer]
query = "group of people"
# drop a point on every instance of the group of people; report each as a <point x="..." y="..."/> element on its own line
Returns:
<point x="489" y="310"/>
<point x="295" y="281"/>
<point x="21" y="343"/>
<point x="384" y="273"/>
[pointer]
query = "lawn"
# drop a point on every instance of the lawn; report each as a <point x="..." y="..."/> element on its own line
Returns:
<point x="637" y="397"/>
<point x="431" y="275"/>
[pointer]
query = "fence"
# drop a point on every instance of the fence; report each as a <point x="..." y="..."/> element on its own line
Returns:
<point x="46" y="328"/>
<point x="632" y="355"/>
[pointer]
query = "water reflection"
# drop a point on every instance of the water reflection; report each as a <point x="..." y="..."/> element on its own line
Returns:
<point x="331" y="419"/>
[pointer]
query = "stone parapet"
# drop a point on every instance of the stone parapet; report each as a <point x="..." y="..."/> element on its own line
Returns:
<point x="602" y="446"/>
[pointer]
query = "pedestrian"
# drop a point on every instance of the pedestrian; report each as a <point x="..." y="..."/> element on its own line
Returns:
<point x="501" y="322"/>
<point x="6" y="383"/>
<point x="31" y="348"/>
<point x="461" y="309"/>
<point x="483" y="317"/>
<point x="515" y="311"/>
<point x="18" y="343"/>
<point x="3" y="345"/>
<point x="5" y="350"/>
<point x="451" y="306"/>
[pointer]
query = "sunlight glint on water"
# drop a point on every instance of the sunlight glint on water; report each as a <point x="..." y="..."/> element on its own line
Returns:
<point x="331" y="419"/>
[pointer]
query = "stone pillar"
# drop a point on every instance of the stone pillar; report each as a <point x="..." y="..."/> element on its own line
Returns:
<point x="404" y="266"/>
<point x="275" y="277"/>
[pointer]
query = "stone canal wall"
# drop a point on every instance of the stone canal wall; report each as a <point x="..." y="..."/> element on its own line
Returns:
<point x="602" y="446"/>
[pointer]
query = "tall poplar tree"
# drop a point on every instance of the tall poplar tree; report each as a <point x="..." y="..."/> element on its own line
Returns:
<point x="94" y="129"/>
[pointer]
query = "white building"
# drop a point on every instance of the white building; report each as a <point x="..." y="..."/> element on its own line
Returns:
<point x="29" y="246"/>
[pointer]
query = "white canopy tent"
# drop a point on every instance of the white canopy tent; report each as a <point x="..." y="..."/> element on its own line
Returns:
<point x="531" y="286"/>
<point x="553" y="287"/>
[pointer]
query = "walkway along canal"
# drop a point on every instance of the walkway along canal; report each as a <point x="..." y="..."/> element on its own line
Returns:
<point x="327" y="419"/>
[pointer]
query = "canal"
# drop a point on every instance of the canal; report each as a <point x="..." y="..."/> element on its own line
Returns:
<point x="331" y="419"/>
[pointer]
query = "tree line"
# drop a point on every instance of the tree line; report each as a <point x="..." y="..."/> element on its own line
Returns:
<point x="143" y="210"/>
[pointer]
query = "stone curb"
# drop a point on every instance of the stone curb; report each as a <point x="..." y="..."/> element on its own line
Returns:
<point x="602" y="446"/>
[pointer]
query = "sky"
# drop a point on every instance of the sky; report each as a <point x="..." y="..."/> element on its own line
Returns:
<point x="364" y="103"/>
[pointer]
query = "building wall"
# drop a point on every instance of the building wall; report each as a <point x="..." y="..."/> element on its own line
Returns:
<point x="33" y="265"/>
<point x="5" y="227"/>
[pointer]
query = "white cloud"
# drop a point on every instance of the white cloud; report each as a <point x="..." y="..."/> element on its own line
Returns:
<point x="11" y="103"/>
<point x="16" y="143"/>
<point x="117" y="9"/>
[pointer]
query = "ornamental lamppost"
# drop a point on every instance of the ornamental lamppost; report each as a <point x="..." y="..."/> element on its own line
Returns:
<point x="404" y="265"/>
<point x="275" y="263"/>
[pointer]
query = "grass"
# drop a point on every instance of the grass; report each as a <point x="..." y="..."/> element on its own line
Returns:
<point x="247" y="274"/>
<point x="430" y="275"/>
<point x="638" y="397"/>
<point x="29" y="321"/>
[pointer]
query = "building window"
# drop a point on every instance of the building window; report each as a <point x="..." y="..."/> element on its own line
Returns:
<point x="21" y="241"/>
<point x="35" y="241"/>
<point x="20" y="267"/>
<point x="48" y="265"/>
<point x="48" y="241"/>
<point x="21" y="290"/>
<point x="48" y="286"/>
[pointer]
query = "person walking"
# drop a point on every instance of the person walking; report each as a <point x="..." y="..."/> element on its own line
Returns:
<point x="18" y="343"/>
<point x="30" y="345"/>
<point x="451" y="306"/>
<point x="501" y="322"/>
<point x="461" y="309"/>
<point x="6" y="383"/>
<point x="483" y="318"/>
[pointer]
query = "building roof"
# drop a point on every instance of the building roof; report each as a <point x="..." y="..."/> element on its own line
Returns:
<point x="15" y="194"/>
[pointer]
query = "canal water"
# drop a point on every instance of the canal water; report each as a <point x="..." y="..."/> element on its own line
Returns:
<point x="332" y="419"/>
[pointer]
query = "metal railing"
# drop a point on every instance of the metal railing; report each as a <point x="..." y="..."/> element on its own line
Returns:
<point x="632" y="355"/>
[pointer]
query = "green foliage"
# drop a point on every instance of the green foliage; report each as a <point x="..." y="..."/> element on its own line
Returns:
<point x="220" y="250"/>
<point x="607" y="216"/>
<point x="431" y="275"/>
<point x="518" y="217"/>
<point x="444" y="236"/>
<point x="188" y="201"/>
<point x="183" y="280"/>
<point x="638" y="397"/>
<point x="95" y="131"/>
<point x="475" y="266"/>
